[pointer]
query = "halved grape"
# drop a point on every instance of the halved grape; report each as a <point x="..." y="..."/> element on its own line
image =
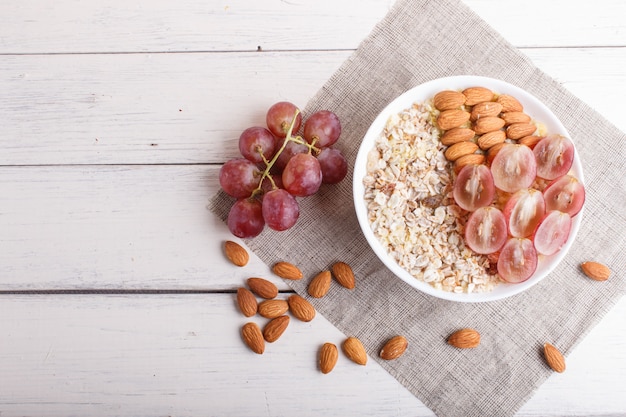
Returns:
<point x="324" y="127"/>
<point x="333" y="164"/>
<point x="552" y="232"/>
<point x="514" y="168"/>
<point x="523" y="212"/>
<point x="554" y="155"/>
<point x="239" y="177"/>
<point x="255" y="141"/>
<point x="245" y="218"/>
<point x="565" y="194"/>
<point x="279" y="117"/>
<point x="302" y="175"/>
<point x="485" y="231"/>
<point x="292" y="148"/>
<point x="280" y="209"/>
<point x="474" y="187"/>
<point x="518" y="260"/>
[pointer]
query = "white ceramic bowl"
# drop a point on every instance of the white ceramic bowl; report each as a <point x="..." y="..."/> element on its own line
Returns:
<point x="532" y="106"/>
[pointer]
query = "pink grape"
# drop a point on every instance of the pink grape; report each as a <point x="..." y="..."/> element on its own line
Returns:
<point x="255" y="141"/>
<point x="333" y="164"/>
<point x="323" y="127"/>
<point x="518" y="260"/>
<point x="565" y="194"/>
<point x="239" y="177"/>
<point x="279" y="118"/>
<point x="291" y="149"/>
<point x="554" y="155"/>
<point x="523" y="211"/>
<point x="474" y="187"/>
<point x="485" y="231"/>
<point x="514" y="167"/>
<point x="552" y="232"/>
<point x="280" y="209"/>
<point x="245" y="218"/>
<point x="302" y="175"/>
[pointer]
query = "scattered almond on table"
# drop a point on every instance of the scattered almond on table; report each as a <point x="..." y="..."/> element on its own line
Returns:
<point x="319" y="285"/>
<point x="236" y="253"/>
<point x="328" y="356"/>
<point x="262" y="287"/>
<point x="354" y="350"/>
<point x="275" y="328"/>
<point x="464" y="339"/>
<point x="301" y="308"/>
<point x="252" y="336"/>
<point x="596" y="271"/>
<point x="287" y="271"/>
<point x="394" y="348"/>
<point x="554" y="358"/>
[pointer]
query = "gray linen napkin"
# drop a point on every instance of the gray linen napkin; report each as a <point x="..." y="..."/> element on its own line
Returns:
<point x="418" y="41"/>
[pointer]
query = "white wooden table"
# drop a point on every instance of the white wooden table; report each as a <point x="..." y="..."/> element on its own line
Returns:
<point x="114" y="119"/>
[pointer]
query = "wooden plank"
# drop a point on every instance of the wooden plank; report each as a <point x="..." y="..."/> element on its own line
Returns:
<point x="100" y="355"/>
<point x="72" y="26"/>
<point x="110" y="227"/>
<point x="191" y="108"/>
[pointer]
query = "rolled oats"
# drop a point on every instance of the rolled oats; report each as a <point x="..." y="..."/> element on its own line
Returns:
<point x="408" y="192"/>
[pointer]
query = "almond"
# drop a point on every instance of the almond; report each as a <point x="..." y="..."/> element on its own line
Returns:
<point x="275" y="328"/>
<point x="475" y="95"/>
<point x="344" y="275"/>
<point x="236" y="253"/>
<point x="519" y="130"/>
<point x="554" y="358"/>
<point x="328" y="356"/>
<point x="262" y="287"/>
<point x="515" y="117"/>
<point x="471" y="159"/>
<point x="493" y="151"/>
<point x="354" y="350"/>
<point x="464" y="338"/>
<point x="247" y="302"/>
<point x="449" y="99"/>
<point x="287" y="271"/>
<point x="271" y="309"/>
<point x="252" y="336"/>
<point x="394" y="348"/>
<point x="449" y="119"/>
<point x="509" y="103"/>
<point x="529" y="141"/>
<point x="490" y="139"/>
<point x="319" y="285"/>
<point x="488" y="124"/>
<point x="457" y="150"/>
<point x="596" y="271"/>
<point x="301" y="308"/>
<point x="458" y="134"/>
<point x="485" y="109"/>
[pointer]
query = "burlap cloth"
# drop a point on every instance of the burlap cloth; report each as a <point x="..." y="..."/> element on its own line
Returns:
<point x="417" y="41"/>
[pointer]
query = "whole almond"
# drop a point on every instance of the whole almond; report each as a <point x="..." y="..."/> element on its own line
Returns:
<point x="344" y="275"/>
<point x="319" y="285"/>
<point x="287" y="271"/>
<point x="236" y="253"/>
<point x="458" y="134"/>
<point x="271" y="309"/>
<point x="471" y="159"/>
<point x="596" y="271"/>
<point x="488" y="124"/>
<point x="519" y="130"/>
<point x="475" y="95"/>
<point x="252" y="336"/>
<point x="275" y="328"/>
<point x="490" y="139"/>
<point x="485" y="109"/>
<point x="464" y="339"/>
<point x="493" y="151"/>
<point x="448" y="99"/>
<point x="529" y="141"/>
<point x="262" y="287"/>
<point x="394" y="348"/>
<point x="354" y="350"/>
<point x="449" y="119"/>
<point x="457" y="150"/>
<point x="515" y="117"/>
<point x="509" y="103"/>
<point x="554" y="358"/>
<point x="301" y="308"/>
<point x="247" y="302"/>
<point x="327" y="357"/>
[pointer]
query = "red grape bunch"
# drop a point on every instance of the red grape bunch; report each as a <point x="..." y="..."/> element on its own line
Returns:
<point x="526" y="221"/>
<point x="277" y="166"/>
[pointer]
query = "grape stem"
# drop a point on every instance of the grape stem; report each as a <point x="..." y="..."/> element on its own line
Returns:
<point x="269" y="164"/>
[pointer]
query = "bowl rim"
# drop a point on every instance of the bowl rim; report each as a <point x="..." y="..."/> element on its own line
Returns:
<point x="532" y="106"/>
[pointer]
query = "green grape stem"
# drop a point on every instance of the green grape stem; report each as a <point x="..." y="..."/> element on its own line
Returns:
<point x="269" y="164"/>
